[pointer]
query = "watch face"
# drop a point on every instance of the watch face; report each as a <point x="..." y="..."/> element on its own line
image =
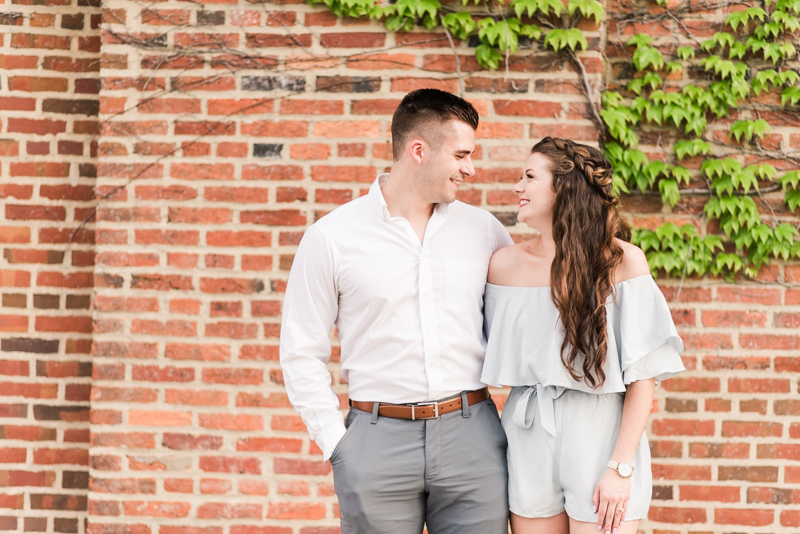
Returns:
<point x="625" y="469"/>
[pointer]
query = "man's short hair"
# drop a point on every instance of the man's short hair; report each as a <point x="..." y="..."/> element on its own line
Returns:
<point x="427" y="107"/>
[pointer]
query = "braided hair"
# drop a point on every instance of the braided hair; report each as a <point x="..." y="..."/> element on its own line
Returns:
<point x="585" y="222"/>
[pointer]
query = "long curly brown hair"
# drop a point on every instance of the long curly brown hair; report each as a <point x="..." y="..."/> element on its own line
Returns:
<point x="585" y="222"/>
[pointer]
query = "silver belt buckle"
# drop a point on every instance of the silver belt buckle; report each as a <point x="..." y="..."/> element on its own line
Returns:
<point x="419" y="404"/>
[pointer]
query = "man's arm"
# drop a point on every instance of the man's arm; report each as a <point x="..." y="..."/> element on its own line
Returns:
<point x="499" y="234"/>
<point x="309" y="312"/>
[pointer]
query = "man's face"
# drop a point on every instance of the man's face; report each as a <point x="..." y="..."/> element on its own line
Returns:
<point x="448" y="161"/>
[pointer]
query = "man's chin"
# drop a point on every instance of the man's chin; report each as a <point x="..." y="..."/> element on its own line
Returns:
<point x="449" y="198"/>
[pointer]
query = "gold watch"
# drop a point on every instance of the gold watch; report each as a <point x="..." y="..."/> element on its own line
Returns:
<point x="623" y="469"/>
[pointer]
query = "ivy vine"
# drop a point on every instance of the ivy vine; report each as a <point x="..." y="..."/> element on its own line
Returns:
<point x="752" y="57"/>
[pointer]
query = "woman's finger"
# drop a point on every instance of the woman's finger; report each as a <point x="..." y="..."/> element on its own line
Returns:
<point x="619" y="512"/>
<point x="596" y="498"/>
<point x="612" y="506"/>
<point x="602" y="508"/>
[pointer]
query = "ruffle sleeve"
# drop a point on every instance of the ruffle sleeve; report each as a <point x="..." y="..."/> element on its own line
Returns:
<point x="649" y="345"/>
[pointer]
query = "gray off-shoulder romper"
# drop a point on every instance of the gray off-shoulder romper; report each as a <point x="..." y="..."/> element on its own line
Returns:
<point x="561" y="432"/>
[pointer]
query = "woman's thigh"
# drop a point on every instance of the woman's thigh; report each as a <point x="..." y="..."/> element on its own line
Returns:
<point x="581" y="527"/>
<point x="558" y="524"/>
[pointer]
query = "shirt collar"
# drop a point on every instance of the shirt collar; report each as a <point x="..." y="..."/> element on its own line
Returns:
<point x="378" y="202"/>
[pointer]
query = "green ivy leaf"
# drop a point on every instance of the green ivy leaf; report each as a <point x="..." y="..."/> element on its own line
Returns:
<point x="772" y="51"/>
<point x="792" y="199"/>
<point x="653" y="79"/>
<point x="559" y="39"/>
<point x="673" y="66"/>
<point x="790" y="95"/>
<point x="669" y="192"/>
<point x="737" y="50"/>
<point x="530" y="30"/>
<point x="397" y="22"/>
<point x="682" y="174"/>
<point x="723" y="185"/>
<point x="639" y="39"/>
<point x="618" y="185"/>
<point x="534" y="7"/>
<point x="647" y="56"/>
<point x="684" y="52"/>
<point x="488" y="57"/>
<point x="790" y="180"/>
<point x="763" y="79"/>
<point x="635" y="85"/>
<point x="749" y="128"/>
<point x="612" y="99"/>
<point x="349" y="8"/>
<point x="788" y="22"/>
<point x="744" y="179"/>
<point x="789" y="77"/>
<point x="654" y="113"/>
<point x="691" y="147"/>
<point x="721" y="39"/>
<point x="773" y="28"/>
<point x="788" y="50"/>
<point x="736" y="19"/>
<point x="695" y="123"/>
<point x="764" y="171"/>
<point x="588" y="9"/>
<point x="460" y="24"/>
<point x="786" y="232"/>
<point x="731" y="263"/>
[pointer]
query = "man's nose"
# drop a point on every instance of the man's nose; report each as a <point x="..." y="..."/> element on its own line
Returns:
<point x="467" y="169"/>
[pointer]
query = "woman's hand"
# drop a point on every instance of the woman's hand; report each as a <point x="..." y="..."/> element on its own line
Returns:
<point x="610" y="499"/>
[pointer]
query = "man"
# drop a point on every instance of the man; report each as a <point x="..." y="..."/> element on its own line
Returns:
<point x="401" y="273"/>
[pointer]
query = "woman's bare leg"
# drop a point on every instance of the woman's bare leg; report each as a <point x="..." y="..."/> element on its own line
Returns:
<point x="558" y="524"/>
<point x="580" y="527"/>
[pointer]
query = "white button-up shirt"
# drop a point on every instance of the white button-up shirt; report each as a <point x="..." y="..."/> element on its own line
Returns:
<point x="409" y="314"/>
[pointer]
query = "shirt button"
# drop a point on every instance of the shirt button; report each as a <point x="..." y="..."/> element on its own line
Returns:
<point x="425" y="293"/>
<point x="431" y="364"/>
<point x="428" y="328"/>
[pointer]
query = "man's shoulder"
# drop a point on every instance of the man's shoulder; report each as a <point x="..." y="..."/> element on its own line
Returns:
<point x="352" y="212"/>
<point x="463" y="209"/>
<point x="467" y="214"/>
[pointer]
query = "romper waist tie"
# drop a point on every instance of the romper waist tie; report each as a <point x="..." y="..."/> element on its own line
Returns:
<point x="545" y="395"/>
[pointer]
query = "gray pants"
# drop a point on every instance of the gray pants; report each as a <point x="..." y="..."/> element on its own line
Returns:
<point x="396" y="475"/>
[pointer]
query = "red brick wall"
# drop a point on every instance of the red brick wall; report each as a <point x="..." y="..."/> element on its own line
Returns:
<point x="49" y="70"/>
<point x="226" y="129"/>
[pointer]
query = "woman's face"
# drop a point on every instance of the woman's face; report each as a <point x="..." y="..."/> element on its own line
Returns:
<point x="536" y="194"/>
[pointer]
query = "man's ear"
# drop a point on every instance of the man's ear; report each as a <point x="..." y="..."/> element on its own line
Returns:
<point x="416" y="149"/>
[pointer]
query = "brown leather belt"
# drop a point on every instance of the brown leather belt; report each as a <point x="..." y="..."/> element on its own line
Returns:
<point x="422" y="410"/>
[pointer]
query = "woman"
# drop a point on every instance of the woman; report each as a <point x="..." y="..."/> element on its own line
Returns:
<point x="577" y="325"/>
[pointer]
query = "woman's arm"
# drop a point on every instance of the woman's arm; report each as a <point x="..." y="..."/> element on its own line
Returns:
<point x="635" y="411"/>
<point x="613" y="492"/>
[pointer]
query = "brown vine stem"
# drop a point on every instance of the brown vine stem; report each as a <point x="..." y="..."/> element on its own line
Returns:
<point x="683" y="271"/>
<point x="458" y="60"/>
<point x="587" y="90"/>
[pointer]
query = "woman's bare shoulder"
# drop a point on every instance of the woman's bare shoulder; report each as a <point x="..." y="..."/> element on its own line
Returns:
<point x="520" y="266"/>
<point x="634" y="262"/>
<point x="502" y="264"/>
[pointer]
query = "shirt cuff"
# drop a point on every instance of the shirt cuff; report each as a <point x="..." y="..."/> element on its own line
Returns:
<point x="329" y="438"/>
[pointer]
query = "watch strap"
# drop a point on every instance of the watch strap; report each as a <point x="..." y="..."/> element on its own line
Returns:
<point x="616" y="465"/>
